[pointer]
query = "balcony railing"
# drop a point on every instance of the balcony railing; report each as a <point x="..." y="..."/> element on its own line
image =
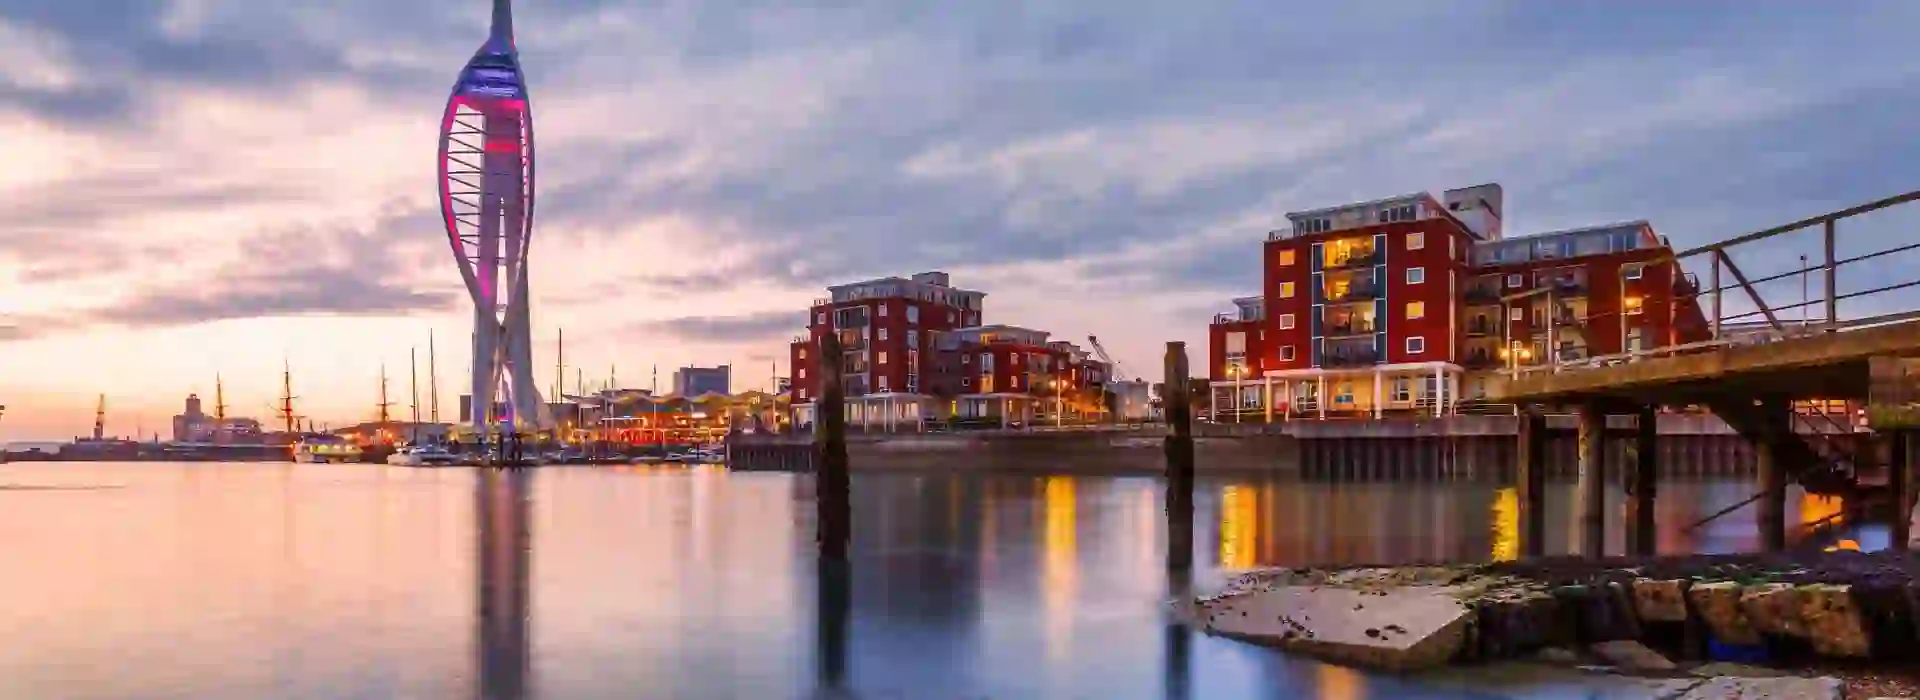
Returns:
<point x="1356" y="327"/>
<point x="1355" y="292"/>
<point x="1481" y="360"/>
<point x="822" y="301"/>
<point x="1223" y="319"/>
<point x="1568" y="287"/>
<point x="1479" y="326"/>
<point x="1482" y="295"/>
<point x="1358" y="258"/>
<point x="1349" y="358"/>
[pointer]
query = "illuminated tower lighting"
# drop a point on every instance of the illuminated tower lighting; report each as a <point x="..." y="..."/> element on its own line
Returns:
<point x="486" y="202"/>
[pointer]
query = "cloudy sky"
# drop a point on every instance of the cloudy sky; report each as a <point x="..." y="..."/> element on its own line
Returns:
<point x="212" y="186"/>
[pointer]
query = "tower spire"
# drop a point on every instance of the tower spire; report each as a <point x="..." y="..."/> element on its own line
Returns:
<point x="503" y="22"/>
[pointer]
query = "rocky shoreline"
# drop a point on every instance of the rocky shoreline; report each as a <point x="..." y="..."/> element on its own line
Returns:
<point x="1854" y="611"/>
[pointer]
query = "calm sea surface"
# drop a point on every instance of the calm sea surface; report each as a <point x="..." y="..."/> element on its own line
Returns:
<point x="363" y="581"/>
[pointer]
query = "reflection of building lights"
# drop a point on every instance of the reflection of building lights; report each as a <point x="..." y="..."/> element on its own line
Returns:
<point x="1239" y="528"/>
<point x="1506" y="524"/>
<point x="1060" y="564"/>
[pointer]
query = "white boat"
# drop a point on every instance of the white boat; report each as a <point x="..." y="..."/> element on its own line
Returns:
<point x="423" y="456"/>
<point x="317" y="449"/>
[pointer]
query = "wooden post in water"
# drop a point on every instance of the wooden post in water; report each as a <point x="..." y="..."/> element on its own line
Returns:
<point x="1593" y="480"/>
<point x="1643" y="485"/>
<point x="1532" y="473"/>
<point x="1771" y="510"/>
<point x="1177" y="406"/>
<point x="830" y="442"/>
<point x="1899" y="478"/>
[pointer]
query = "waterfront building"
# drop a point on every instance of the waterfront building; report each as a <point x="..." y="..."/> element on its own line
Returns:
<point x="694" y="381"/>
<point x="916" y="349"/>
<point x="486" y="168"/>
<point x="192" y="424"/>
<point x="1407" y="304"/>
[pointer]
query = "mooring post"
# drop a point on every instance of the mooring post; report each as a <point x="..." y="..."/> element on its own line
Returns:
<point x="1899" y="476"/>
<point x="1593" y="480"/>
<point x="1646" y="452"/>
<point x="1179" y="450"/>
<point x="830" y="474"/>
<point x="1771" y="510"/>
<point x="1532" y="474"/>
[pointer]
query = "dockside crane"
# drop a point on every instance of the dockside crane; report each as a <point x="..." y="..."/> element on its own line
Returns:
<point x="1113" y="368"/>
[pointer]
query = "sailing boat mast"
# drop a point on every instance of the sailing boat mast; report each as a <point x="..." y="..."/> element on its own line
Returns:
<point x="287" y="397"/>
<point x="433" y="384"/>
<point x="413" y="385"/>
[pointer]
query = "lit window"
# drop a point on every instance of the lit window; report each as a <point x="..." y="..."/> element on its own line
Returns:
<point x="1402" y="389"/>
<point x="1416" y="240"/>
<point x="1286" y="290"/>
<point x="803" y="373"/>
<point x="883" y="357"/>
<point x="1633" y="305"/>
<point x="1286" y="322"/>
<point x="1286" y="353"/>
<point x="883" y="311"/>
<point x="803" y="353"/>
<point x="883" y="331"/>
<point x="1416" y="309"/>
<point x="1286" y="258"/>
<point x="1416" y="275"/>
<point x="1516" y="313"/>
<point x="1416" y="345"/>
<point x="1633" y="272"/>
<point x="1514" y="281"/>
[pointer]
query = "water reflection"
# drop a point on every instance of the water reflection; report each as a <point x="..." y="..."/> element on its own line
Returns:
<point x="246" y="581"/>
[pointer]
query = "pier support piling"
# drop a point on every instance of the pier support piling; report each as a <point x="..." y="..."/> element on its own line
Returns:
<point x="1771" y="510"/>
<point x="1593" y="481"/>
<point x="1899" y="485"/>
<point x="830" y="470"/>
<point x="1643" y="485"/>
<point x="1179" y="452"/>
<point x="1532" y="473"/>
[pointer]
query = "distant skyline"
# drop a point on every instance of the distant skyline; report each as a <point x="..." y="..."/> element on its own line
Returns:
<point x="204" y="187"/>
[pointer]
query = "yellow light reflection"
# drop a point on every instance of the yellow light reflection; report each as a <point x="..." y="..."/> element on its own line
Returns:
<point x="1506" y="524"/>
<point x="1239" y="528"/>
<point x="1339" y="682"/>
<point x="1060" y="563"/>
<point x="1815" y="509"/>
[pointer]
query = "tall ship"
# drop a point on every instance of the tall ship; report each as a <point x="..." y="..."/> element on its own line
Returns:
<point x="317" y="448"/>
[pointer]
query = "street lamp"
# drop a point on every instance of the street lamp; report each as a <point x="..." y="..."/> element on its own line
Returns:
<point x="1059" y="387"/>
<point x="1239" y="397"/>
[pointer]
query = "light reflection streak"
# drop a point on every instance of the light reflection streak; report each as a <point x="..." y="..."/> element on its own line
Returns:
<point x="1059" y="564"/>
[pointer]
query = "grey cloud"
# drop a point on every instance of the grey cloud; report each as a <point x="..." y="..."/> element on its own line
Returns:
<point x="755" y="327"/>
<point x="303" y="271"/>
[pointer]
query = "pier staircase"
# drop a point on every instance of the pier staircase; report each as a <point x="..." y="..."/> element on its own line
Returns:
<point x="1822" y="453"/>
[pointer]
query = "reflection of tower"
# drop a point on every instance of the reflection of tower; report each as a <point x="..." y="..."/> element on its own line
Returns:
<point x="503" y="565"/>
<point x="486" y="202"/>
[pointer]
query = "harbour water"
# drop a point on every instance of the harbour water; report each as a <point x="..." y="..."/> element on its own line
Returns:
<point x="207" y="580"/>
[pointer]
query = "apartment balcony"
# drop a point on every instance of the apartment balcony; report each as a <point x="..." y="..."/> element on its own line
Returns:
<point x="1224" y="319"/>
<point x="1480" y="327"/>
<point x="1355" y="292"/>
<point x="1568" y="287"/>
<point x="1477" y="295"/>
<point x="1349" y="358"/>
<point x="1355" y="259"/>
<point x="1350" y="328"/>
<point x="852" y="339"/>
<point x="1480" y="360"/>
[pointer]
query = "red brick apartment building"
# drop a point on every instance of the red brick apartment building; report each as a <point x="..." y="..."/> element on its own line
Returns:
<point x="914" y="349"/>
<point x="1405" y="304"/>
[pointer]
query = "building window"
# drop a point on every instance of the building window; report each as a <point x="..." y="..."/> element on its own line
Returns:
<point x="1633" y="272"/>
<point x="883" y="331"/>
<point x="1416" y="310"/>
<point x="966" y="359"/>
<point x="1343" y="393"/>
<point x="1416" y="345"/>
<point x="1286" y="290"/>
<point x="1516" y="313"/>
<point x="820" y="319"/>
<point x="1514" y="281"/>
<point x="802" y="393"/>
<point x="883" y="382"/>
<point x="1402" y="389"/>
<point x="883" y="311"/>
<point x="1416" y="240"/>
<point x="883" y="357"/>
<point x="803" y="373"/>
<point x="1286" y="258"/>
<point x="913" y="339"/>
<point x="1416" y="275"/>
<point x="803" y="353"/>
<point x="1633" y="305"/>
<point x="913" y="314"/>
<point x="966" y="381"/>
<point x="986" y="383"/>
<point x="1286" y="322"/>
<point x="1286" y="353"/>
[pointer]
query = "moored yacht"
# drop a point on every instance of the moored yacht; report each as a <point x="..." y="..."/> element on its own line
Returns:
<point x="325" y="449"/>
<point x="423" y="456"/>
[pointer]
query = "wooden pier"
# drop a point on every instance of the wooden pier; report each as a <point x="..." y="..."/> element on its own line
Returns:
<point x="1869" y="358"/>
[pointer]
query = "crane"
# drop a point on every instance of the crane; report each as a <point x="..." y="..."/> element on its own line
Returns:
<point x="1113" y="368"/>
